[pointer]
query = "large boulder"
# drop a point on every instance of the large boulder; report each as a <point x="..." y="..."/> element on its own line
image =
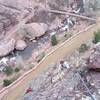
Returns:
<point x="94" y="59"/>
<point x="97" y="47"/>
<point x="36" y="29"/>
<point x="6" y="47"/>
<point x="20" y="45"/>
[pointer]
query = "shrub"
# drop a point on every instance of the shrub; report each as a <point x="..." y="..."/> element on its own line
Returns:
<point x="54" y="40"/>
<point x="8" y="70"/>
<point x="40" y="57"/>
<point x="83" y="48"/>
<point x="65" y="35"/>
<point x="6" y="82"/>
<point x="96" y="36"/>
<point x="17" y="69"/>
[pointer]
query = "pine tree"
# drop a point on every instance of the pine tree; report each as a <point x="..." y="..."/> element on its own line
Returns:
<point x="54" y="40"/>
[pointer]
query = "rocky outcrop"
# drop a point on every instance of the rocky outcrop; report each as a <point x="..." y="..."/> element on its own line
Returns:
<point x="17" y="5"/>
<point x="20" y="45"/>
<point x="6" y="47"/>
<point x="12" y="11"/>
<point x="94" y="59"/>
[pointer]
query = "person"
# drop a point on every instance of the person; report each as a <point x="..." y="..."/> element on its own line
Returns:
<point x="29" y="90"/>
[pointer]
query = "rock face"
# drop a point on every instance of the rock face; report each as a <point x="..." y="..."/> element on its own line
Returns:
<point x="94" y="59"/>
<point x="36" y="29"/>
<point x="20" y="45"/>
<point x="11" y="12"/>
<point x="18" y="4"/>
<point x="6" y="47"/>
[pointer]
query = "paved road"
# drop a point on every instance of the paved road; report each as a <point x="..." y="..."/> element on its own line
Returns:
<point x="62" y="50"/>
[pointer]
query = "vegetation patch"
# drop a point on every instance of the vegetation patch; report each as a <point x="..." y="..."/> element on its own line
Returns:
<point x="17" y="69"/>
<point x="83" y="48"/>
<point x="8" y="70"/>
<point x="40" y="57"/>
<point x="96" y="36"/>
<point x="6" y="82"/>
<point x="54" y="40"/>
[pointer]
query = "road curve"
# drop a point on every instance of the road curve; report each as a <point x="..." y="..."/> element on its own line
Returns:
<point x="15" y="90"/>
